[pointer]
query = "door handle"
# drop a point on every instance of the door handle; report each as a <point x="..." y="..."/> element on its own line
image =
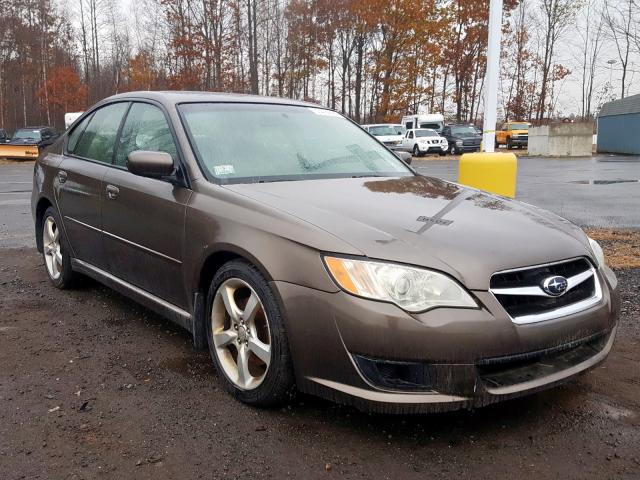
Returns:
<point x="112" y="192"/>
<point x="62" y="176"/>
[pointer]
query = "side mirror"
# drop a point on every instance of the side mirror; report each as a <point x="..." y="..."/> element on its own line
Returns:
<point x="150" y="164"/>
<point x="404" y="156"/>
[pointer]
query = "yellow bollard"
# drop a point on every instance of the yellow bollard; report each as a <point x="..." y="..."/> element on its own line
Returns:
<point x="493" y="172"/>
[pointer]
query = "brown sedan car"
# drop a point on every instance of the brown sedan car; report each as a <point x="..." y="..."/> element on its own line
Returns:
<point x="306" y="255"/>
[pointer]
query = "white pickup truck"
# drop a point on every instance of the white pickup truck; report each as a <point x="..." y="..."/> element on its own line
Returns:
<point x="389" y="134"/>
<point x="424" y="140"/>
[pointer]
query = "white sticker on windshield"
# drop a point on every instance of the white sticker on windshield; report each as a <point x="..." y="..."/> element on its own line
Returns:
<point x="224" y="170"/>
<point x="323" y="112"/>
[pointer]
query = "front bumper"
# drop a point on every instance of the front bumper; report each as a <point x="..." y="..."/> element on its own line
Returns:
<point x="432" y="148"/>
<point x="519" y="141"/>
<point x="459" y="348"/>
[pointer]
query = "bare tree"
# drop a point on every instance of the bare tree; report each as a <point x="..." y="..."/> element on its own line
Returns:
<point x="557" y="16"/>
<point x="623" y="27"/>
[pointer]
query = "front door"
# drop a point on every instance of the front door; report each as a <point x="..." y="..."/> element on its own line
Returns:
<point x="79" y="181"/>
<point x="143" y="218"/>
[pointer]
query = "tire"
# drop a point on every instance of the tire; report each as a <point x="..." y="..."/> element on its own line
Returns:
<point x="497" y="145"/>
<point x="55" y="251"/>
<point x="416" y="151"/>
<point x="509" y="144"/>
<point x="442" y="153"/>
<point x="270" y="382"/>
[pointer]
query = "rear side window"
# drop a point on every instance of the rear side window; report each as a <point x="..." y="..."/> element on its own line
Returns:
<point x="145" y="128"/>
<point x="97" y="142"/>
<point x="75" y="135"/>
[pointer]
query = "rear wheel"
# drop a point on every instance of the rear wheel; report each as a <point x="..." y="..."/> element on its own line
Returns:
<point x="246" y="335"/>
<point x="55" y="251"/>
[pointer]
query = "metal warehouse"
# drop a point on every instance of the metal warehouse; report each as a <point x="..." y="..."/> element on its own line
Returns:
<point x="619" y="126"/>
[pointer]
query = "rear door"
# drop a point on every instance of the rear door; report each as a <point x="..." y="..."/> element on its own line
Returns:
<point x="143" y="218"/>
<point x="88" y="154"/>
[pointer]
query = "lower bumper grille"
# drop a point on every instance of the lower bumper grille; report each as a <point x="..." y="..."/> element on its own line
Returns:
<point x="522" y="293"/>
<point x="507" y="371"/>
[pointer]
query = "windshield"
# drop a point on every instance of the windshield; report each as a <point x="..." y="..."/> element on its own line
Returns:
<point x="519" y="126"/>
<point x="400" y="130"/>
<point x="383" y="130"/>
<point x="27" y="133"/>
<point x="433" y="125"/>
<point x="464" y="131"/>
<point x="248" y="143"/>
<point x="426" y="133"/>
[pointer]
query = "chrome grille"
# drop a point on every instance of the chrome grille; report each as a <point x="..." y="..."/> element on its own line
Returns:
<point x="520" y="291"/>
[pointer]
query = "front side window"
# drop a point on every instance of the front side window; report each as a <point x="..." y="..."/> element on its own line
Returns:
<point x="97" y="142"/>
<point x="247" y="143"/>
<point x="145" y="128"/>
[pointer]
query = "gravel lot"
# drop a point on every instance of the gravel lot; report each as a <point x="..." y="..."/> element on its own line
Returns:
<point x="93" y="386"/>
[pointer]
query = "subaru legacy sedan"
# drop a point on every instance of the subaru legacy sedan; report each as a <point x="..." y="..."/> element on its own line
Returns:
<point x="307" y="256"/>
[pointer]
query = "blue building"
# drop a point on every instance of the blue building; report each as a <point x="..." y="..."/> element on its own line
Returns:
<point x="619" y="126"/>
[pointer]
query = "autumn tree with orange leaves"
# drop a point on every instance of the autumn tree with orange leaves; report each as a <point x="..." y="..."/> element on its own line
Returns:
<point x="64" y="91"/>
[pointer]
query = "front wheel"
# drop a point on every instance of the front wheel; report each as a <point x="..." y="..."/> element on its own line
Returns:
<point x="246" y="336"/>
<point x="55" y="251"/>
<point x="509" y="144"/>
<point x="416" y="151"/>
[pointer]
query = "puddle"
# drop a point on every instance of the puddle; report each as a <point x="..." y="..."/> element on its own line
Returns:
<point x="603" y="182"/>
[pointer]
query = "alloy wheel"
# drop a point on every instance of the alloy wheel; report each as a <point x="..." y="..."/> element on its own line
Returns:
<point x="241" y="334"/>
<point x="52" y="248"/>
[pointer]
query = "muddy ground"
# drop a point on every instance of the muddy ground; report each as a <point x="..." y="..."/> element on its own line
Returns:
<point x="93" y="386"/>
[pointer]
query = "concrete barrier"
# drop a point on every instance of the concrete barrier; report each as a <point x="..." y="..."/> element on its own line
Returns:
<point x="561" y="140"/>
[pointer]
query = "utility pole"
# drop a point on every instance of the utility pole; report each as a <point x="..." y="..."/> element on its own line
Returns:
<point x="492" y="77"/>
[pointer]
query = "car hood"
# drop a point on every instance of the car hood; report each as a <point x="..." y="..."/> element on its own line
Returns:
<point x="520" y="132"/>
<point x="425" y="221"/>
<point x="389" y="138"/>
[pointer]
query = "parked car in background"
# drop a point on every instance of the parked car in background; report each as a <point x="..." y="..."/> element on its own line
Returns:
<point x="71" y="117"/>
<point x="433" y="121"/>
<point x="386" y="133"/>
<point x="306" y="255"/>
<point x="462" y="138"/>
<point x="423" y="141"/>
<point x="401" y="129"/>
<point x="4" y="136"/>
<point x="513" y="134"/>
<point x="26" y="143"/>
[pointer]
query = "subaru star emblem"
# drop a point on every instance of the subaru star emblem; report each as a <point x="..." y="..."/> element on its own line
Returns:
<point x="555" y="286"/>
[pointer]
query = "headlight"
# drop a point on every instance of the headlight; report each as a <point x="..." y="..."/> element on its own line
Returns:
<point x="597" y="252"/>
<point x="458" y="142"/>
<point x="412" y="289"/>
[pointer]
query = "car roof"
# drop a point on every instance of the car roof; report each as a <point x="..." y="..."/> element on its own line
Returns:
<point x="37" y="127"/>
<point x="172" y="97"/>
